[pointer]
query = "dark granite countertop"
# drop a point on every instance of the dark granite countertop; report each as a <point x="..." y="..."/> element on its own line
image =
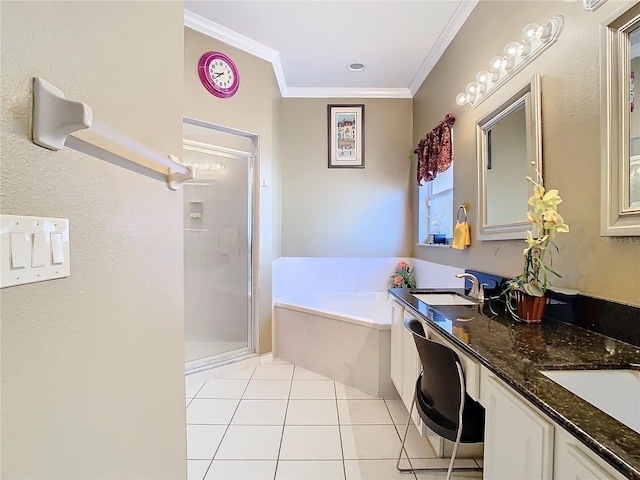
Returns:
<point x="516" y="352"/>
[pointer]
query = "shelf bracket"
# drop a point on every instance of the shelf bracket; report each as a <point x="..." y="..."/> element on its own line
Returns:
<point x="175" y="179"/>
<point x="55" y="117"/>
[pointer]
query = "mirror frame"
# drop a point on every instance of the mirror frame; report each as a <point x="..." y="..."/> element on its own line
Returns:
<point x="615" y="218"/>
<point x="529" y="95"/>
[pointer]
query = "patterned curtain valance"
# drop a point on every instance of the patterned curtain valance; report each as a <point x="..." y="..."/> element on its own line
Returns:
<point x="435" y="150"/>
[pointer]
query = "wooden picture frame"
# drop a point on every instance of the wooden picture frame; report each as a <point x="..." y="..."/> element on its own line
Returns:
<point x="346" y="136"/>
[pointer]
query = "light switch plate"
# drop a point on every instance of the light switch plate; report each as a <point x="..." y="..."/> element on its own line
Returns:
<point x="38" y="234"/>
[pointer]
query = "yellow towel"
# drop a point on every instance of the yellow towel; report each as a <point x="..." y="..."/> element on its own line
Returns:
<point x="461" y="236"/>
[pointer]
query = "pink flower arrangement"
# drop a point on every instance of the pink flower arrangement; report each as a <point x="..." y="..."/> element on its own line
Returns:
<point x="402" y="277"/>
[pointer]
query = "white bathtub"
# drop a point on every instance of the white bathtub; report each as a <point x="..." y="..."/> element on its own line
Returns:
<point x="345" y="336"/>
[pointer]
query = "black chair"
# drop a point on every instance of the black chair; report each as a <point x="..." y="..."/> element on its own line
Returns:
<point x="441" y="398"/>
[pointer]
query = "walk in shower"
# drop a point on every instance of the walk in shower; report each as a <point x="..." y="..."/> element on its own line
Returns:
<point x="217" y="247"/>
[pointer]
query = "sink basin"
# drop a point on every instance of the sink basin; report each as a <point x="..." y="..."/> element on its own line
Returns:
<point x="615" y="392"/>
<point x="445" y="298"/>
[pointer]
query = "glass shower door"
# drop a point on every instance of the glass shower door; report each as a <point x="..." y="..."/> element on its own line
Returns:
<point x="217" y="255"/>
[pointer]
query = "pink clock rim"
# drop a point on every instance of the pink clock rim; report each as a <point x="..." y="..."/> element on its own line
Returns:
<point x="205" y="79"/>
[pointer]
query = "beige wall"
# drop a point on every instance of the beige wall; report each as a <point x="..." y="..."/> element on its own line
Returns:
<point x="92" y="365"/>
<point x="570" y="69"/>
<point x="346" y="212"/>
<point x="250" y="110"/>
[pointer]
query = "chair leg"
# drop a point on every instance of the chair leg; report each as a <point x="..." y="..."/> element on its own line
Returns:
<point x="404" y="438"/>
<point x="454" y="453"/>
<point x="450" y="469"/>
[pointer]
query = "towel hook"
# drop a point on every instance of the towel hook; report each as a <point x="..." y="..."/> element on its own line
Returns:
<point x="464" y="211"/>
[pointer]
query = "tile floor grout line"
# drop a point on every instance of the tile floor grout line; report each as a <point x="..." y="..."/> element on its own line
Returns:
<point x="284" y="422"/>
<point x="344" y="467"/>
<point x="199" y="390"/>
<point x="228" y="424"/>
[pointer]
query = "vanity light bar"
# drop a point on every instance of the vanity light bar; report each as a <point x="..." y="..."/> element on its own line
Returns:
<point x="515" y="56"/>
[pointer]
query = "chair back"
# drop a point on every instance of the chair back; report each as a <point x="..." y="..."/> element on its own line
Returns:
<point x="440" y="391"/>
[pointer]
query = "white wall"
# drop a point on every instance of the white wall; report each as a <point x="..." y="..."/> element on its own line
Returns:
<point x="92" y="365"/>
<point x="293" y="276"/>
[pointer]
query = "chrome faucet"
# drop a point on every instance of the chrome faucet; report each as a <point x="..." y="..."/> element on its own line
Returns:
<point x="477" y="290"/>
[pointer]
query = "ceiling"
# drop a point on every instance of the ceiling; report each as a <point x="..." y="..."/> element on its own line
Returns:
<point x="311" y="43"/>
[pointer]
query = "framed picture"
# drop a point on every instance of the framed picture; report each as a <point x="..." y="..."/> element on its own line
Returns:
<point x="346" y="136"/>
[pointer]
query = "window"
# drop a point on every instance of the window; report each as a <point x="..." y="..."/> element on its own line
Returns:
<point x="435" y="209"/>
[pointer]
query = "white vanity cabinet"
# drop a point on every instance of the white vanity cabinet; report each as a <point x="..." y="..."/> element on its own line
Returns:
<point x="397" y="327"/>
<point x="406" y="367"/>
<point x="521" y="442"/>
<point x="518" y="440"/>
<point x="405" y="363"/>
<point x="572" y="460"/>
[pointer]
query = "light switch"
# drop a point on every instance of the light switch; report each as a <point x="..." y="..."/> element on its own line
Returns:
<point x="40" y="254"/>
<point x="56" y="248"/>
<point x="19" y="250"/>
<point x="27" y="247"/>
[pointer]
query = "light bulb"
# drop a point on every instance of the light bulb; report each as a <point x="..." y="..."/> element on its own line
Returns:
<point x="462" y="98"/>
<point x="214" y="167"/>
<point x="530" y="32"/>
<point x="472" y="88"/>
<point x="496" y="64"/>
<point x="483" y="76"/>
<point x="544" y="32"/>
<point x="512" y="50"/>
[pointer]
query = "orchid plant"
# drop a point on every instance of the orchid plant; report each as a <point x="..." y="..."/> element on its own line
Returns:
<point x="402" y="277"/>
<point x="546" y="223"/>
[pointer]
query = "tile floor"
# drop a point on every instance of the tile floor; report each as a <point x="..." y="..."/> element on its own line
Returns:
<point x="278" y="421"/>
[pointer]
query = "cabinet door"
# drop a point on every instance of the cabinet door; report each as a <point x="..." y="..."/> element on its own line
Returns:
<point x="410" y="369"/>
<point x="397" y="327"/>
<point x="518" y="440"/>
<point x="405" y="363"/>
<point x="575" y="462"/>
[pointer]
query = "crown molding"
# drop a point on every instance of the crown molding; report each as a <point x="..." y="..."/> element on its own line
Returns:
<point x="226" y="35"/>
<point x="236" y="40"/>
<point x="346" y="92"/>
<point x="592" y="5"/>
<point x="464" y="9"/>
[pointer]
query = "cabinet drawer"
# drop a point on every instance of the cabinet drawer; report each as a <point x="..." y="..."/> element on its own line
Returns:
<point x="470" y="367"/>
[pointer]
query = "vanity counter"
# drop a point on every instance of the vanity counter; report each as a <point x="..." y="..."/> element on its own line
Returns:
<point x="516" y="352"/>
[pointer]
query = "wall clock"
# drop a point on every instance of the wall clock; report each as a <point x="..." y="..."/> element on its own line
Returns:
<point x="219" y="74"/>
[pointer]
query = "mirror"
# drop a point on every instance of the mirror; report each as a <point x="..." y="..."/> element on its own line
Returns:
<point x="620" y="202"/>
<point x="509" y="139"/>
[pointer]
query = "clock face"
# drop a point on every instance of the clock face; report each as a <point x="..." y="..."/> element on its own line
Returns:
<point x="218" y="74"/>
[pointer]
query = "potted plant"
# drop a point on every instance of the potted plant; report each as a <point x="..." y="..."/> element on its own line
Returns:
<point x="402" y="277"/>
<point x="529" y="288"/>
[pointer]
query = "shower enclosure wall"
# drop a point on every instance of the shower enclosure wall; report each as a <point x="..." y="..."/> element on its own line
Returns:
<point x="217" y="254"/>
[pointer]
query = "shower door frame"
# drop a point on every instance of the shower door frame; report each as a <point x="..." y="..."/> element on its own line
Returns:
<point x="205" y="363"/>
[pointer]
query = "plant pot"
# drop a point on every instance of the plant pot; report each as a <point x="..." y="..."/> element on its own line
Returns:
<point x="530" y="309"/>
